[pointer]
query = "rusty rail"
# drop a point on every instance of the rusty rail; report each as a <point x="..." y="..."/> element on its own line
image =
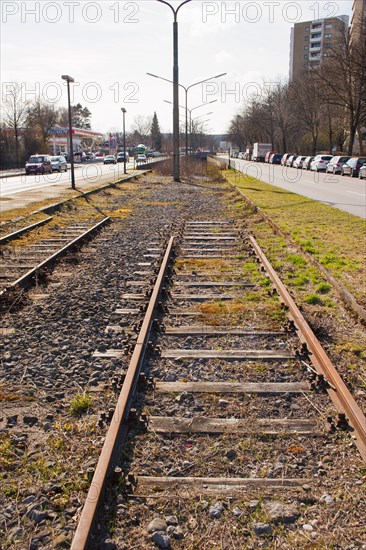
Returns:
<point x="20" y="232"/>
<point x="340" y="396"/>
<point x="25" y="279"/>
<point x="118" y="428"/>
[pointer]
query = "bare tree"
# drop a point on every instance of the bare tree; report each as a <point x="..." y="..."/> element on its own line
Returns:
<point x="141" y="127"/>
<point x="306" y="106"/>
<point x="42" y="117"/>
<point x="15" y="111"/>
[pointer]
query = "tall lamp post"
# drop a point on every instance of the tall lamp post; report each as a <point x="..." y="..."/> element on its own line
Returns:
<point x="175" y="88"/>
<point x="186" y="89"/>
<point x="124" y="140"/>
<point x="68" y="80"/>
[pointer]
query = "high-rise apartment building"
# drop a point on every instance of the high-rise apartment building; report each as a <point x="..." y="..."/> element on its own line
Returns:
<point x="312" y="41"/>
<point x="358" y="21"/>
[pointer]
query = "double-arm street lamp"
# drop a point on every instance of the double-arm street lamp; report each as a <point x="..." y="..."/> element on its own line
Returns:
<point x="175" y="88"/>
<point x="71" y="149"/>
<point x="186" y="89"/>
<point x="124" y="140"/>
<point x="190" y="115"/>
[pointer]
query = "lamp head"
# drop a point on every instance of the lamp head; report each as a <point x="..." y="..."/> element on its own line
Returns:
<point x="67" y="78"/>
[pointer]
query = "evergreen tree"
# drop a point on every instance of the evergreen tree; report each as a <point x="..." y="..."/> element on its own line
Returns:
<point x="156" y="139"/>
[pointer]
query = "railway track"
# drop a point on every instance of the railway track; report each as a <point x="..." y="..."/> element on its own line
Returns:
<point x="22" y="265"/>
<point x="225" y="406"/>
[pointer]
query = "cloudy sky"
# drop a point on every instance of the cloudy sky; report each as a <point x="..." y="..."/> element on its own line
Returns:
<point x="109" y="46"/>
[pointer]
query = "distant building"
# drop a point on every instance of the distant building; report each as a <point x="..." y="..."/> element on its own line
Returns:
<point x="312" y="41"/>
<point x="58" y="142"/>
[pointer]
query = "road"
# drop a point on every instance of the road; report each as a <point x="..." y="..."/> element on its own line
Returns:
<point x="344" y="193"/>
<point x="88" y="172"/>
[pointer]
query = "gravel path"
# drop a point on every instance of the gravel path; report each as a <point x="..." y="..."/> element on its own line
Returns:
<point x="47" y="358"/>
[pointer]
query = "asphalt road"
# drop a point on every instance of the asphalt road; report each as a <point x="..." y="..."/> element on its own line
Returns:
<point x="88" y="172"/>
<point x="344" y="193"/>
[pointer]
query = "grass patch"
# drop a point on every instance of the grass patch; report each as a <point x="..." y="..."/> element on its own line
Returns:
<point x="80" y="404"/>
<point x="326" y="233"/>
<point x="323" y="288"/>
<point x="313" y="299"/>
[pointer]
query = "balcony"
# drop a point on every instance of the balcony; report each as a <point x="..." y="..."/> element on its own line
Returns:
<point x="316" y="37"/>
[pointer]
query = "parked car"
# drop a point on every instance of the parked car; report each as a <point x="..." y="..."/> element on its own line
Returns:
<point x="38" y="164"/>
<point x="352" y="166"/>
<point x="141" y="158"/>
<point x="59" y="164"/>
<point x="362" y="172"/>
<point x="290" y="160"/>
<point x="307" y="163"/>
<point x="320" y="162"/>
<point x="275" y="158"/>
<point x="268" y="156"/>
<point x="89" y="156"/>
<point x="284" y="158"/>
<point x="298" y="162"/>
<point x="109" y="159"/>
<point x="335" y="165"/>
<point x="121" y="157"/>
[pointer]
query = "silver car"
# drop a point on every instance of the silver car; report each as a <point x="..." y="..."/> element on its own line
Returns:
<point x="298" y="162"/>
<point x="59" y="164"/>
<point x="335" y="165"/>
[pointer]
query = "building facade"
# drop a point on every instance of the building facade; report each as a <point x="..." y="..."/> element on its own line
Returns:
<point x="358" y="22"/>
<point x="312" y="41"/>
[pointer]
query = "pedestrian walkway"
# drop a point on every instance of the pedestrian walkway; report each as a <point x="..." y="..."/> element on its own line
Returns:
<point x="59" y="192"/>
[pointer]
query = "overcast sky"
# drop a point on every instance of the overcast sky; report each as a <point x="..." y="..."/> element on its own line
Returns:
<point x="109" y="46"/>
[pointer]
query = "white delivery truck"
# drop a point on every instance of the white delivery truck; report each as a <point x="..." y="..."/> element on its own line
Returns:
<point x="260" y="150"/>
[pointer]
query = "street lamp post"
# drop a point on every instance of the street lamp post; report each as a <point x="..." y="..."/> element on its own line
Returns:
<point x="124" y="140"/>
<point x="186" y="90"/>
<point x="68" y="80"/>
<point x="175" y="88"/>
<point x="190" y="117"/>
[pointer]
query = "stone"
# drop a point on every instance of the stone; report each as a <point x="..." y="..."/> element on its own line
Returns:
<point x="328" y="499"/>
<point x="36" y="515"/>
<point x="231" y="455"/>
<point x="237" y="512"/>
<point x="216" y="510"/>
<point x="253" y="505"/>
<point x="176" y="532"/>
<point x="161" y="539"/>
<point x="157" y="524"/>
<point x="171" y="520"/>
<point x="223" y="403"/>
<point x="262" y="529"/>
<point x="29" y="499"/>
<point x="308" y="527"/>
<point x="30" y="420"/>
<point x="15" y="532"/>
<point x="281" y="512"/>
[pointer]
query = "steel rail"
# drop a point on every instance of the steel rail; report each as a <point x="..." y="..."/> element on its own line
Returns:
<point x="118" y="428"/>
<point x="16" y="234"/>
<point x="341" y="396"/>
<point x="24" y="280"/>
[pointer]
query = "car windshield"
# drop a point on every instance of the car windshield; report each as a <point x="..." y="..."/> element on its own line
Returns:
<point x="326" y="158"/>
<point x="36" y="159"/>
<point x="362" y="160"/>
<point x="55" y="159"/>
